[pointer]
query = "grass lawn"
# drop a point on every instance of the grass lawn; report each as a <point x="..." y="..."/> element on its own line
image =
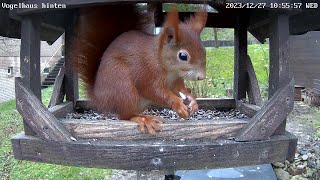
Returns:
<point x="11" y="124"/>
<point x="220" y="63"/>
<point x="220" y="77"/>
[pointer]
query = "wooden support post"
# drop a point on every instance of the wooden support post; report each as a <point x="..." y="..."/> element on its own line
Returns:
<point x="58" y="91"/>
<point x="254" y="94"/>
<point x="279" y="57"/>
<point x="71" y="77"/>
<point x="240" y="85"/>
<point x="158" y="15"/>
<point x="152" y="8"/>
<point x="30" y="57"/>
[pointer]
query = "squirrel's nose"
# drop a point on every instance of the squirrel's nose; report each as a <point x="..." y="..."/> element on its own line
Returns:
<point x="201" y="76"/>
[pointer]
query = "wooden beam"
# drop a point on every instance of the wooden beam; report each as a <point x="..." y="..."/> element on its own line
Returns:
<point x="303" y="22"/>
<point x="170" y="130"/>
<point x="151" y="9"/>
<point x="30" y="58"/>
<point x="272" y="114"/>
<point x="62" y="109"/>
<point x="279" y="53"/>
<point x="204" y="103"/>
<point x="158" y="14"/>
<point x="248" y="109"/>
<point x="42" y="122"/>
<point x="217" y="20"/>
<point x="71" y="76"/>
<point x="155" y="155"/>
<point x="254" y="94"/>
<point x="279" y="68"/>
<point x="292" y="147"/>
<point x="11" y="28"/>
<point x="240" y="84"/>
<point x="87" y="3"/>
<point x="152" y="155"/>
<point x="30" y="54"/>
<point x="58" y="91"/>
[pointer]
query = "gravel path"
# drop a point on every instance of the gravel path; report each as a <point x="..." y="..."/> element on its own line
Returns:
<point x="306" y="164"/>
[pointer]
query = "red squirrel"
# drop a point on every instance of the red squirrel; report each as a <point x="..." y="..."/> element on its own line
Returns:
<point x="125" y="69"/>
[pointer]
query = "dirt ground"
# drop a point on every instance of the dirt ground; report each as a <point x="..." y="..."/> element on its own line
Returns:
<point x="301" y="123"/>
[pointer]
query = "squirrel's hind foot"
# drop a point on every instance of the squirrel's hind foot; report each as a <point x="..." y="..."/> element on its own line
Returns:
<point x="149" y="122"/>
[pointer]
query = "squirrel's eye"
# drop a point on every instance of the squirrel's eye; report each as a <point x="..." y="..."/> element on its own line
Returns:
<point x="183" y="55"/>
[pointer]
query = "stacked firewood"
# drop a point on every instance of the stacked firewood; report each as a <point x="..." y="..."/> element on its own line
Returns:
<point x="312" y="97"/>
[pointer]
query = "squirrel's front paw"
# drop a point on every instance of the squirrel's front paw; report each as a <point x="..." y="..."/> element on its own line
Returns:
<point x="180" y="108"/>
<point x="193" y="105"/>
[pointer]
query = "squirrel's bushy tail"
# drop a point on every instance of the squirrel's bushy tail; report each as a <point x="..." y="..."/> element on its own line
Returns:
<point x="95" y="29"/>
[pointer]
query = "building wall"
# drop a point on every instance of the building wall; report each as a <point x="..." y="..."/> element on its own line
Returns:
<point x="10" y="57"/>
<point x="7" y="81"/>
<point x="305" y="58"/>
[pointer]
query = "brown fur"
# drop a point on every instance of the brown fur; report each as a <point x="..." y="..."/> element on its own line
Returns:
<point x="137" y="69"/>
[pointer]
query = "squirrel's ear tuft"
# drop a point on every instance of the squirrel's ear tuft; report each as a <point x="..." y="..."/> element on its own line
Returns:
<point x="171" y="26"/>
<point x="198" y="21"/>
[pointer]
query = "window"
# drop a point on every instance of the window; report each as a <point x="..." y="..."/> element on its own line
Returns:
<point x="10" y="71"/>
<point x="46" y="70"/>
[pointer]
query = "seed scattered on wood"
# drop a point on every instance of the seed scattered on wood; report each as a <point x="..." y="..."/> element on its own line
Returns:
<point x="168" y="114"/>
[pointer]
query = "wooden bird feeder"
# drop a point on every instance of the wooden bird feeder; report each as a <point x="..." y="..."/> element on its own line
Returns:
<point x="259" y="139"/>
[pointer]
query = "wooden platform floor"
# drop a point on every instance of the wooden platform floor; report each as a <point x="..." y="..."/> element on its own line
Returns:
<point x="155" y="154"/>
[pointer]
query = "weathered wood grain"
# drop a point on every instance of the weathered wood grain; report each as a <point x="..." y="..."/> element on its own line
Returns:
<point x="30" y="57"/>
<point x="30" y="54"/>
<point x="71" y="76"/>
<point x="292" y="146"/>
<point x="279" y="68"/>
<point x="152" y="155"/>
<point x="271" y="115"/>
<point x="240" y="84"/>
<point x="170" y="130"/>
<point x="279" y="53"/>
<point x="304" y="22"/>
<point x="248" y="109"/>
<point x="62" y="109"/>
<point x="204" y="103"/>
<point x="87" y="3"/>
<point x="253" y="91"/>
<point x="42" y="122"/>
<point x="58" y="89"/>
